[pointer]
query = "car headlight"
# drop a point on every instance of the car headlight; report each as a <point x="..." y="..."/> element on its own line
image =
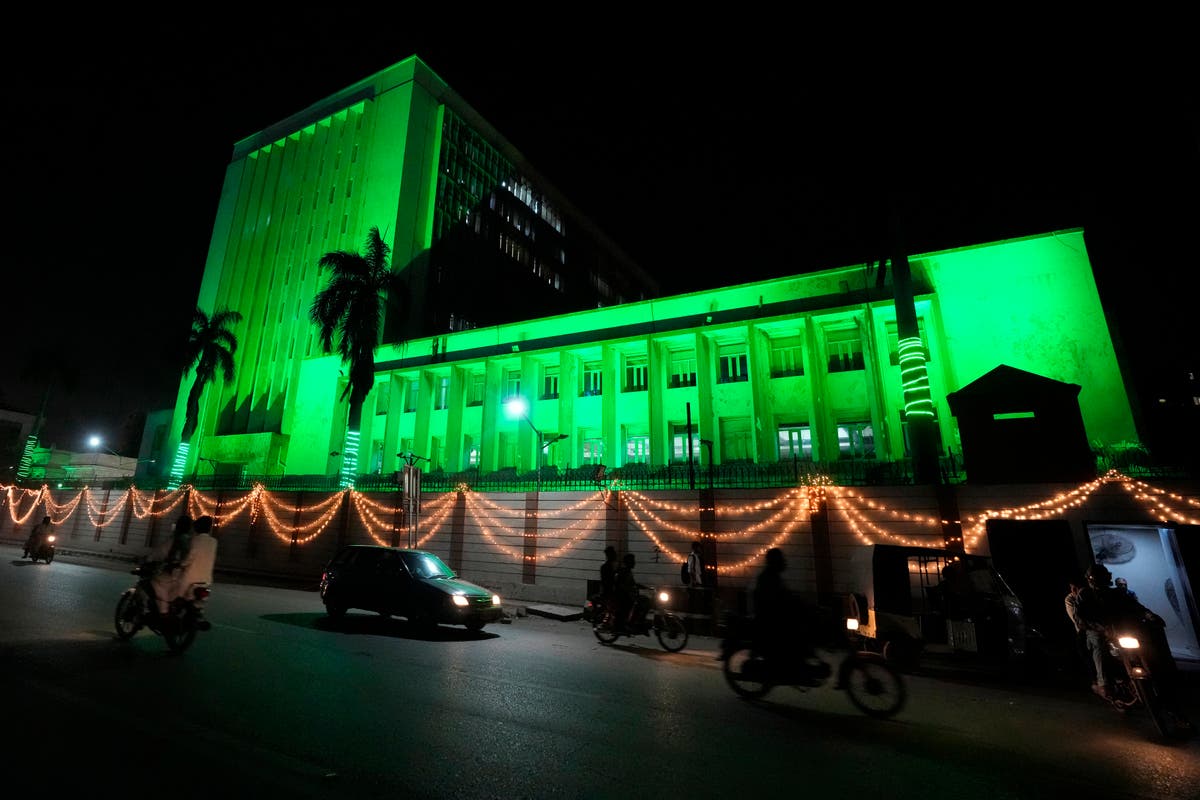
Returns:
<point x="1128" y="642"/>
<point x="495" y="599"/>
<point x="459" y="600"/>
<point x="851" y="624"/>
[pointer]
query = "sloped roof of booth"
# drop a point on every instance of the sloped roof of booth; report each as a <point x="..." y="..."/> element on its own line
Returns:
<point x="1007" y="388"/>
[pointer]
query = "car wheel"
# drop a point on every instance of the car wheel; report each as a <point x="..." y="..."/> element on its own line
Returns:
<point x="475" y="626"/>
<point x="334" y="610"/>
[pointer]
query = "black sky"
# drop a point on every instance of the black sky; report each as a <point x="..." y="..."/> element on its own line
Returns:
<point x="712" y="157"/>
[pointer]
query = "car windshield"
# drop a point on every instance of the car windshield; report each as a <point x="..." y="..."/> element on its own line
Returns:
<point x="426" y="565"/>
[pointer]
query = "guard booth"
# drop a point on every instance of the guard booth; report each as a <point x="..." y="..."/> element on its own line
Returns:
<point x="1009" y="405"/>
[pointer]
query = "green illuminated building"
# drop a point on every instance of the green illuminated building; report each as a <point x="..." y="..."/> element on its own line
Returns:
<point x="805" y="367"/>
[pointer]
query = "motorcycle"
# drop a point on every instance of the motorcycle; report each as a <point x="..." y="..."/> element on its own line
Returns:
<point x="137" y="608"/>
<point x="1136" y="683"/>
<point x="873" y="685"/>
<point x="43" y="550"/>
<point x="672" y="634"/>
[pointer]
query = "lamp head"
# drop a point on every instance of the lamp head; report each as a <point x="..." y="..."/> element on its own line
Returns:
<point x="516" y="407"/>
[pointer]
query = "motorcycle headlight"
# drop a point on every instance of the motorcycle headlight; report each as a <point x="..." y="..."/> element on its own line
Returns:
<point x="50" y="538"/>
<point x="664" y="597"/>
<point x="851" y="624"/>
<point x="1128" y="642"/>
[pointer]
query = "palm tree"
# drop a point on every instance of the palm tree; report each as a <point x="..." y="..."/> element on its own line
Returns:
<point x="210" y="346"/>
<point x="352" y="306"/>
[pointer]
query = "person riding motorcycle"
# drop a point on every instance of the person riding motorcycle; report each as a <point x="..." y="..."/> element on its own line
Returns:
<point x="630" y="603"/>
<point x="782" y="625"/>
<point x="38" y="535"/>
<point x="1101" y="607"/>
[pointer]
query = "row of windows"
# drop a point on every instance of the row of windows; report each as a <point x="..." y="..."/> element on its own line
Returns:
<point x="855" y="440"/>
<point x="786" y="360"/>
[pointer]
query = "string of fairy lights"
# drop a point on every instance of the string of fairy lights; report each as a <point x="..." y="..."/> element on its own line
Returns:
<point x="507" y="529"/>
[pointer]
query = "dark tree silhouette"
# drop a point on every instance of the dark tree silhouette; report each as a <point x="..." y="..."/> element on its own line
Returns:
<point x="210" y="347"/>
<point x="350" y="310"/>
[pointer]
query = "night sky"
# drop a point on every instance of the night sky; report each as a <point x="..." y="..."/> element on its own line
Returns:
<point x="712" y="155"/>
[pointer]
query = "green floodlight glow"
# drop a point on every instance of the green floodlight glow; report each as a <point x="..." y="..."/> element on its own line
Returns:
<point x="350" y="459"/>
<point x="26" y="462"/>
<point x="178" y="466"/>
<point x="914" y="378"/>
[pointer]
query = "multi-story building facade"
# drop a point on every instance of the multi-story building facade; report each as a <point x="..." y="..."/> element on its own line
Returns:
<point x="805" y="367"/>
<point x="457" y="204"/>
<point x="512" y="293"/>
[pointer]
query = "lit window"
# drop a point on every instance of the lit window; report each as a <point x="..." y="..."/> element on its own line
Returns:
<point x="856" y="440"/>
<point x="795" y="442"/>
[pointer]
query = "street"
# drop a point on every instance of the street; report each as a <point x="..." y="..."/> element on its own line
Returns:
<point x="279" y="701"/>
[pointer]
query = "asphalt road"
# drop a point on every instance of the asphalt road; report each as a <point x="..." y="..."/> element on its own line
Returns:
<point x="278" y="701"/>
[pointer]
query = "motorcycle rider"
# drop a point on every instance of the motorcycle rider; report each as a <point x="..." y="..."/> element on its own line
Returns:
<point x="781" y="624"/>
<point x="167" y="559"/>
<point x="608" y="577"/>
<point x="626" y="594"/>
<point x="1102" y="606"/>
<point x="38" y="535"/>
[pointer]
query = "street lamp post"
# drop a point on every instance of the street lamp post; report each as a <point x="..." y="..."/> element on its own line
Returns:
<point x="517" y="407"/>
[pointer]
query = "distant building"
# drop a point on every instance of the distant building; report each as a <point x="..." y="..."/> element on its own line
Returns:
<point x="51" y="465"/>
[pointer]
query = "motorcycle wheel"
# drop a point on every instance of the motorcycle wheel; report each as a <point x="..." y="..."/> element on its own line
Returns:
<point x="875" y="687"/>
<point x="180" y="632"/>
<point x="49" y="556"/>
<point x="745" y="672"/>
<point x="605" y="627"/>
<point x="1154" y="707"/>
<point x="672" y="633"/>
<point x="128" y="617"/>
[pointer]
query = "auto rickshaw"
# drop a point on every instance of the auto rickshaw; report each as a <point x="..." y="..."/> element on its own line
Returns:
<point x="910" y="600"/>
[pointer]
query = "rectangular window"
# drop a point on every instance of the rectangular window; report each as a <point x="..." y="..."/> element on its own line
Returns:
<point x="683" y="369"/>
<point x="732" y="359"/>
<point x="593" y="450"/>
<point x="636" y="374"/>
<point x="795" y="442"/>
<point x="679" y="444"/>
<point x="475" y="384"/>
<point x="856" y="440"/>
<point x="550" y="383"/>
<point x="590" y="384"/>
<point x="512" y="383"/>
<point x="845" y="350"/>
<point x="410" y="396"/>
<point x="787" y="357"/>
<point x="442" y="394"/>
<point x="637" y="448"/>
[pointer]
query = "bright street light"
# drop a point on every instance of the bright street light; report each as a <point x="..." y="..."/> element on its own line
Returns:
<point x="517" y="406"/>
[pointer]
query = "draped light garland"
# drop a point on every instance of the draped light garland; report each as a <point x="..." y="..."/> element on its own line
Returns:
<point x="300" y="524"/>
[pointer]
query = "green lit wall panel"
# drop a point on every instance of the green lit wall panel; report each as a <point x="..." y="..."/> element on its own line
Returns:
<point x="1032" y="304"/>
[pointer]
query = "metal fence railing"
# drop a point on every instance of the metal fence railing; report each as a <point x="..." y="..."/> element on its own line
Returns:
<point x="642" y="477"/>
